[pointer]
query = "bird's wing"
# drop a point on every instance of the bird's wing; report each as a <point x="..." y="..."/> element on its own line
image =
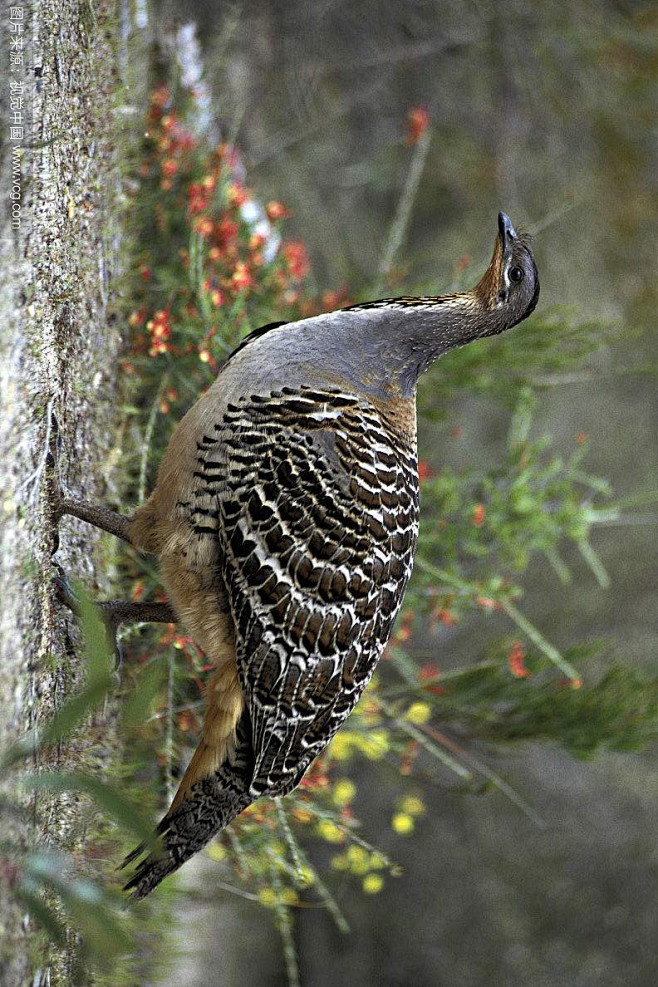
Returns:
<point x="317" y="519"/>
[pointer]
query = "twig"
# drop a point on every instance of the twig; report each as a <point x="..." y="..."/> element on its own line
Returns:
<point x="412" y="731"/>
<point x="538" y="639"/>
<point x="499" y="782"/>
<point x="148" y="436"/>
<point x="290" y="840"/>
<point x="169" y="727"/>
<point x="405" y="205"/>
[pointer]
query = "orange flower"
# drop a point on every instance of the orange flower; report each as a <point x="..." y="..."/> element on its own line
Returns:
<point x="424" y="470"/>
<point x="294" y="253"/>
<point x="418" y="120"/>
<point x="206" y="357"/>
<point x="516" y="661"/>
<point x="159" y="328"/>
<point x="137" y="318"/>
<point x="276" y="210"/>
<point x="236" y="194"/>
<point x="446" y="617"/>
<point x="241" y="277"/>
<point x="256" y="241"/>
<point x="478" y="515"/>
<point x="203" y="226"/>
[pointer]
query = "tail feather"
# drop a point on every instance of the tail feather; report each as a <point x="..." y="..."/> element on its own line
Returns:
<point x="206" y="810"/>
<point x="206" y="807"/>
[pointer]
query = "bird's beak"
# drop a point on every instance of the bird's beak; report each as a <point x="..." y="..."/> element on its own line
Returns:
<point x="506" y="233"/>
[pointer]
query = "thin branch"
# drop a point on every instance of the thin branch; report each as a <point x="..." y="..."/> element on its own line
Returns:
<point x="487" y="772"/>
<point x="538" y="639"/>
<point x="405" y="206"/>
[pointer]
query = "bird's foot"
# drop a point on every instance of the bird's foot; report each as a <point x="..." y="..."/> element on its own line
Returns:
<point x="109" y="612"/>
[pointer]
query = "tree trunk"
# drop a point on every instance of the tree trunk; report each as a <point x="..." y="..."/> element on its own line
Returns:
<point x="58" y="353"/>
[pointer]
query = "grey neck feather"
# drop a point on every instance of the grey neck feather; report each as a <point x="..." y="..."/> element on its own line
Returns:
<point x="380" y="348"/>
<point x="384" y="348"/>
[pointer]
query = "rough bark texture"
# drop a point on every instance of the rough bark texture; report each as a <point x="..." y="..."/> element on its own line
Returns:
<point x="58" y="352"/>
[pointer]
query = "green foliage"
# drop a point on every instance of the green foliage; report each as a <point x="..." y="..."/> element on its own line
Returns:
<point x="57" y="889"/>
<point x="618" y="712"/>
<point x="496" y="519"/>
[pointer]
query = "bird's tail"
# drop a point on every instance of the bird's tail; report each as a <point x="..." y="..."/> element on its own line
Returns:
<point x="208" y="806"/>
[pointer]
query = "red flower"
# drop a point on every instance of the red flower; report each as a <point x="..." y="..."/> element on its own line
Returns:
<point x="237" y="195"/>
<point x="418" y="119"/>
<point x="516" y="661"/>
<point x="424" y="470"/>
<point x="296" y="258"/>
<point x="478" y="515"/>
<point x="198" y="198"/>
<point x="241" y="277"/>
<point x="226" y="232"/>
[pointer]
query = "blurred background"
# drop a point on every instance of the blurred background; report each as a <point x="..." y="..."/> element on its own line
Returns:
<point x="546" y="111"/>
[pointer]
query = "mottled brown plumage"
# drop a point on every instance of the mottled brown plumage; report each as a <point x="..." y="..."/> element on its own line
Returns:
<point x="285" y="519"/>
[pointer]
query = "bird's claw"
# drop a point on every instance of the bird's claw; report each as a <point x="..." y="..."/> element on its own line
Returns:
<point x="67" y="596"/>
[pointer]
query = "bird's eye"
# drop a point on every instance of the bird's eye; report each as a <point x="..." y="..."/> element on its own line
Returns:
<point x="516" y="274"/>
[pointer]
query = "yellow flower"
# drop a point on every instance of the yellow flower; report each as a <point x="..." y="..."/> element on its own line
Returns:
<point x="402" y="823"/>
<point x="358" y="860"/>
<point x="216" y="852"/>
<point x="418" y="713"/>
<point x="373" y="883"/>
<point x="375" y="744"/>
<point x="330" y="832"/>
<point x="306" y="876"/>
<point x="267" y="897"/>
<point x="340" y="746"/>
<point x="288" y="896"/>
<point x="412" y="805"/>
<point x="339" y="862"/>
<point x="344" y="791"/>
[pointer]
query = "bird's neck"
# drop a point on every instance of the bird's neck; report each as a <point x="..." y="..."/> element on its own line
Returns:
<point x="399" y="339"/>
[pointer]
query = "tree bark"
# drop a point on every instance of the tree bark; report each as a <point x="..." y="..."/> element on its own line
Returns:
<point x="58" y="353"/>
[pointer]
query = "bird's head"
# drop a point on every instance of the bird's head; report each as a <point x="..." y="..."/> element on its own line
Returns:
<point x="509" y="289"/>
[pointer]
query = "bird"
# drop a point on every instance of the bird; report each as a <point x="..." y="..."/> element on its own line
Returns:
<point x="285" y="521"/>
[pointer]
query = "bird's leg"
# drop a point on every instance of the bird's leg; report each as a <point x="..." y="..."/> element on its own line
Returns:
<point x="117" y="612"/>
<point x="100" y="517"/>
<point x="113" y="612"/>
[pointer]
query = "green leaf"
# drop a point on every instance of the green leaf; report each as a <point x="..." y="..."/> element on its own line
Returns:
<point x="45" y="916"/>
<point x="103" y="795"/>
<point x="137" y="704"/>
